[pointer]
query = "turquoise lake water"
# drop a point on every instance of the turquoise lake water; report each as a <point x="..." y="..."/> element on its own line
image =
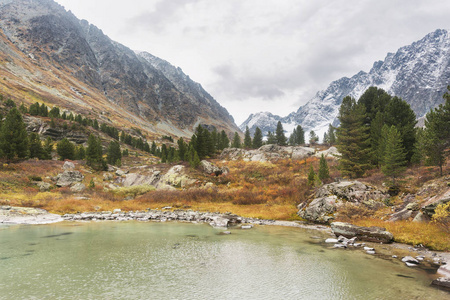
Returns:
<point x="133" y="260"/>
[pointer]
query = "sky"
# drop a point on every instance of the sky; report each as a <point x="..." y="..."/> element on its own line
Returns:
<point x="265" y="55"/>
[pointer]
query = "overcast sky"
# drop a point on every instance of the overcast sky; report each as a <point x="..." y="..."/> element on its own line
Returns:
<point x="265" y="55"/>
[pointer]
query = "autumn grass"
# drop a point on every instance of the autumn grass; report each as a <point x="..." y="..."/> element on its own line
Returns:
<point x="413" y="233"/>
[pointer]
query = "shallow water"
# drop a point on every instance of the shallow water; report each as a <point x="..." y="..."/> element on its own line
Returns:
<point x="133" y="260"/>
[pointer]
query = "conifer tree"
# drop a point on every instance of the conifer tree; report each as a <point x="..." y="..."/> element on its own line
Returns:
<point x="324" y="172"/>
<point x="271" y="139"/>
<point x="236" y="141"/>
<point x="13" y="136"/>
<point x="279" y="135"/>
<point x="114" y="154"/>
<point x="80" y="153"/>
<point x="353" y="140"/>
<point x="23" y="109"/>
<point x="300" y="135"/>
<point x="394" y="159"/>
<point x="48" y="148"/>
<point x="65" y="149"/>
<point x="94" y="153"/>
<point x="257" y="138"/>
<point x="313" y="138"/>
<point x="182" y="148"/>
<point x="247" y="139"/>
<point x="311" y="176"/>
<point x="331" y="135"/>
<point x="36" y="149"/>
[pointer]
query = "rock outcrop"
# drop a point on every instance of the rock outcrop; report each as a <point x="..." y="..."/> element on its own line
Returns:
<point x="370" y="234"/>
<point x="210" y="168"/>
<point x="68" y="178"/>
<point x="331" y="196"/>
<point x="26" y="215"/>
<point x="268" y="153"/>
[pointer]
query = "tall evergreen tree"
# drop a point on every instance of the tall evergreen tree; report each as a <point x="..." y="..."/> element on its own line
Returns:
<point x="247" y="139"/>
<point x="324" y="172"/>
<point x="399" y="113"/>
<point x="48" y="148"/>
<point x="313" y="138"/>
<point x="223" y="141"/>
<point x="311" y="176"/>
<point x="80" y="153"/>
<point x="114" y="155"/>
<point x="35" y="146"/>
<point x="279" y="135"/>
<point x="331" y="135"/>
<point x="271" y="139"/>
<point x="394" y="156"/>
<point x="182" y="148"/>
<point x="94" y="153"/>
<point x="65" y="149"/>
<point x="236" y="141"/>
<point x="257" y="138"/>
<point x="353" y="140"/>
<point x="13" y="136"/>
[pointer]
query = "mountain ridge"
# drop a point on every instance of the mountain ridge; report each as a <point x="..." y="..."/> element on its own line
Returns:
<point x="51" y="56"/>
<point x="415" y="72"/>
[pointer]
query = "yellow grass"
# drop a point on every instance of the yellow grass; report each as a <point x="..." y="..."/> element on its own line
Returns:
<point x="428" y="234"/>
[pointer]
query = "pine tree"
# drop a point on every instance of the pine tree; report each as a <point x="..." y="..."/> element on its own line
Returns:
<point x="65" y="149"/>
<point x="35" y="146"/>
<point x="236" y="141"/>
<point x="399" y="113"/>
<point x="48" y="148"/>
<point x="313" y="138"/>
<point x="271" y="139"/>
<point x="279" y="135"/>
<point x="353" y="140"/>
<point x="13" y="136"/>
<point x="311" y="176"/>
<point x="94" y="153"/>
<point x="300" y="135"/>
<point x="394" y="159"/>
<point x="331" y="135"/>
<point x="257" y="138"/>
<point x="80" y="153"/>
<point x="114" y="154"/>
<point x="247" y="139"/>
<point x="182" y="148"/>
<point x="324" y="172"/>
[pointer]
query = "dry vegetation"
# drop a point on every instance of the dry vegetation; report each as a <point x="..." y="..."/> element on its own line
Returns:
<point x="251" y="189"/>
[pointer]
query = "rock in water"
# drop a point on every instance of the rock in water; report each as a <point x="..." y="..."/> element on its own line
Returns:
<point x="371" y="234"/>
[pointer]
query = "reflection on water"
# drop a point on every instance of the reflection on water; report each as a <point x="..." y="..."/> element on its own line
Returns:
<point x="191" y="261"/>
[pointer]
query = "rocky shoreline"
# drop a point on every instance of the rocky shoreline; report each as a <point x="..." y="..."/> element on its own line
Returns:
<point x="412" y="257"/>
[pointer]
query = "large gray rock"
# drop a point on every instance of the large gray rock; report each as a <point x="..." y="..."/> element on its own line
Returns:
<point x="331" y="196"/>
<point x="371" y="234"/>
<point x="175" y="177"/>
<point x="26" y="215"/>
<point x="429" y="209"/>
<point x="320" y="210"/>
<point x="68" y="166"/>
<point x="210" y="168"/>
<point x="268" y="153"/>
<point x="43" y="186"/>
<point x="78" y="187"/>
<point x="68" y="178"/>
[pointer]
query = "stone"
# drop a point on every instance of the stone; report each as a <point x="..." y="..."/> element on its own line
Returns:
<point x="442" y="282"/>
<point x="108" y="176"/>
<point x="331" y="241"/>
<point x="67" y="178"/>
<point x="78" y="187"/>
<point x="320" y="210"/>
<point x="246" y="226"/>
<point x="339" y="246"/>
<point x="116" y="211"/>
<point x="331" y="152"/>
<point x="371" y="234"/>
<point x="212" y="169"/>
<point x="403" y="214"/>
<point x="370" y="251"/>
<point x="421" y="217"/>
<point x="68" y="166"/>
<point x="410" y="261"/>
<point x="120" y="172"/>
<point x="413" y="206"/>
<point x="219" y="221"/>
<point x="43" y="186"/>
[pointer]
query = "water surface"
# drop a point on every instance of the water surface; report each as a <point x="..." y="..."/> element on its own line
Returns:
<point x="133" y="260"/>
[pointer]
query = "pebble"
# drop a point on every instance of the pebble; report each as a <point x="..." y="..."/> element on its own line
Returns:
<point x="331" y="241"/>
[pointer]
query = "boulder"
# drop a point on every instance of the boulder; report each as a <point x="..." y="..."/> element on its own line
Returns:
<point x="78" y="187"/>
<point x="68" y="166"/>
<point x="108" y="176"/>
<point x="320" y="210"/>
<point x="210" y="168"/>
<point x="442" y="282"/>
<point x="43" y="186"/>
<point x="133" y="179"/>
<point x="371" y="234"/>
<point x="429" y="209"/>
<point x="331" y="152"/>
<point x="175" y="177"/>
<point x="268" y="153"/>
<point x="68" y="178"/>
<point x="352" y="191"/>
<point x="219" y="221"/>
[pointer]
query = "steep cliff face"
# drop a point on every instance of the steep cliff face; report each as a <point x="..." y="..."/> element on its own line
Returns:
<point x="61" y="60"/>
<point x="418" y="73"/>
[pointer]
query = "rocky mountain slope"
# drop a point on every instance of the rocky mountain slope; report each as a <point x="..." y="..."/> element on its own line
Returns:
<point x="50" y="56"/>
<point x="418" y="73"/>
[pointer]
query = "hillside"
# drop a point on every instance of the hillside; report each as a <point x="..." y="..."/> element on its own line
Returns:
<point x="50" y="56"/>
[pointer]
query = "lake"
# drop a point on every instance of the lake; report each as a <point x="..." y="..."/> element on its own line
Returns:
<point x="148" y="260"/>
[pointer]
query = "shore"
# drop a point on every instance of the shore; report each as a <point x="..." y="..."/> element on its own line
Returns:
<point x="34" y="216"/>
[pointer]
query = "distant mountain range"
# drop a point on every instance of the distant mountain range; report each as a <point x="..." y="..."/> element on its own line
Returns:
<point x="418" y="73"/>
<point x="48" y="55"/>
